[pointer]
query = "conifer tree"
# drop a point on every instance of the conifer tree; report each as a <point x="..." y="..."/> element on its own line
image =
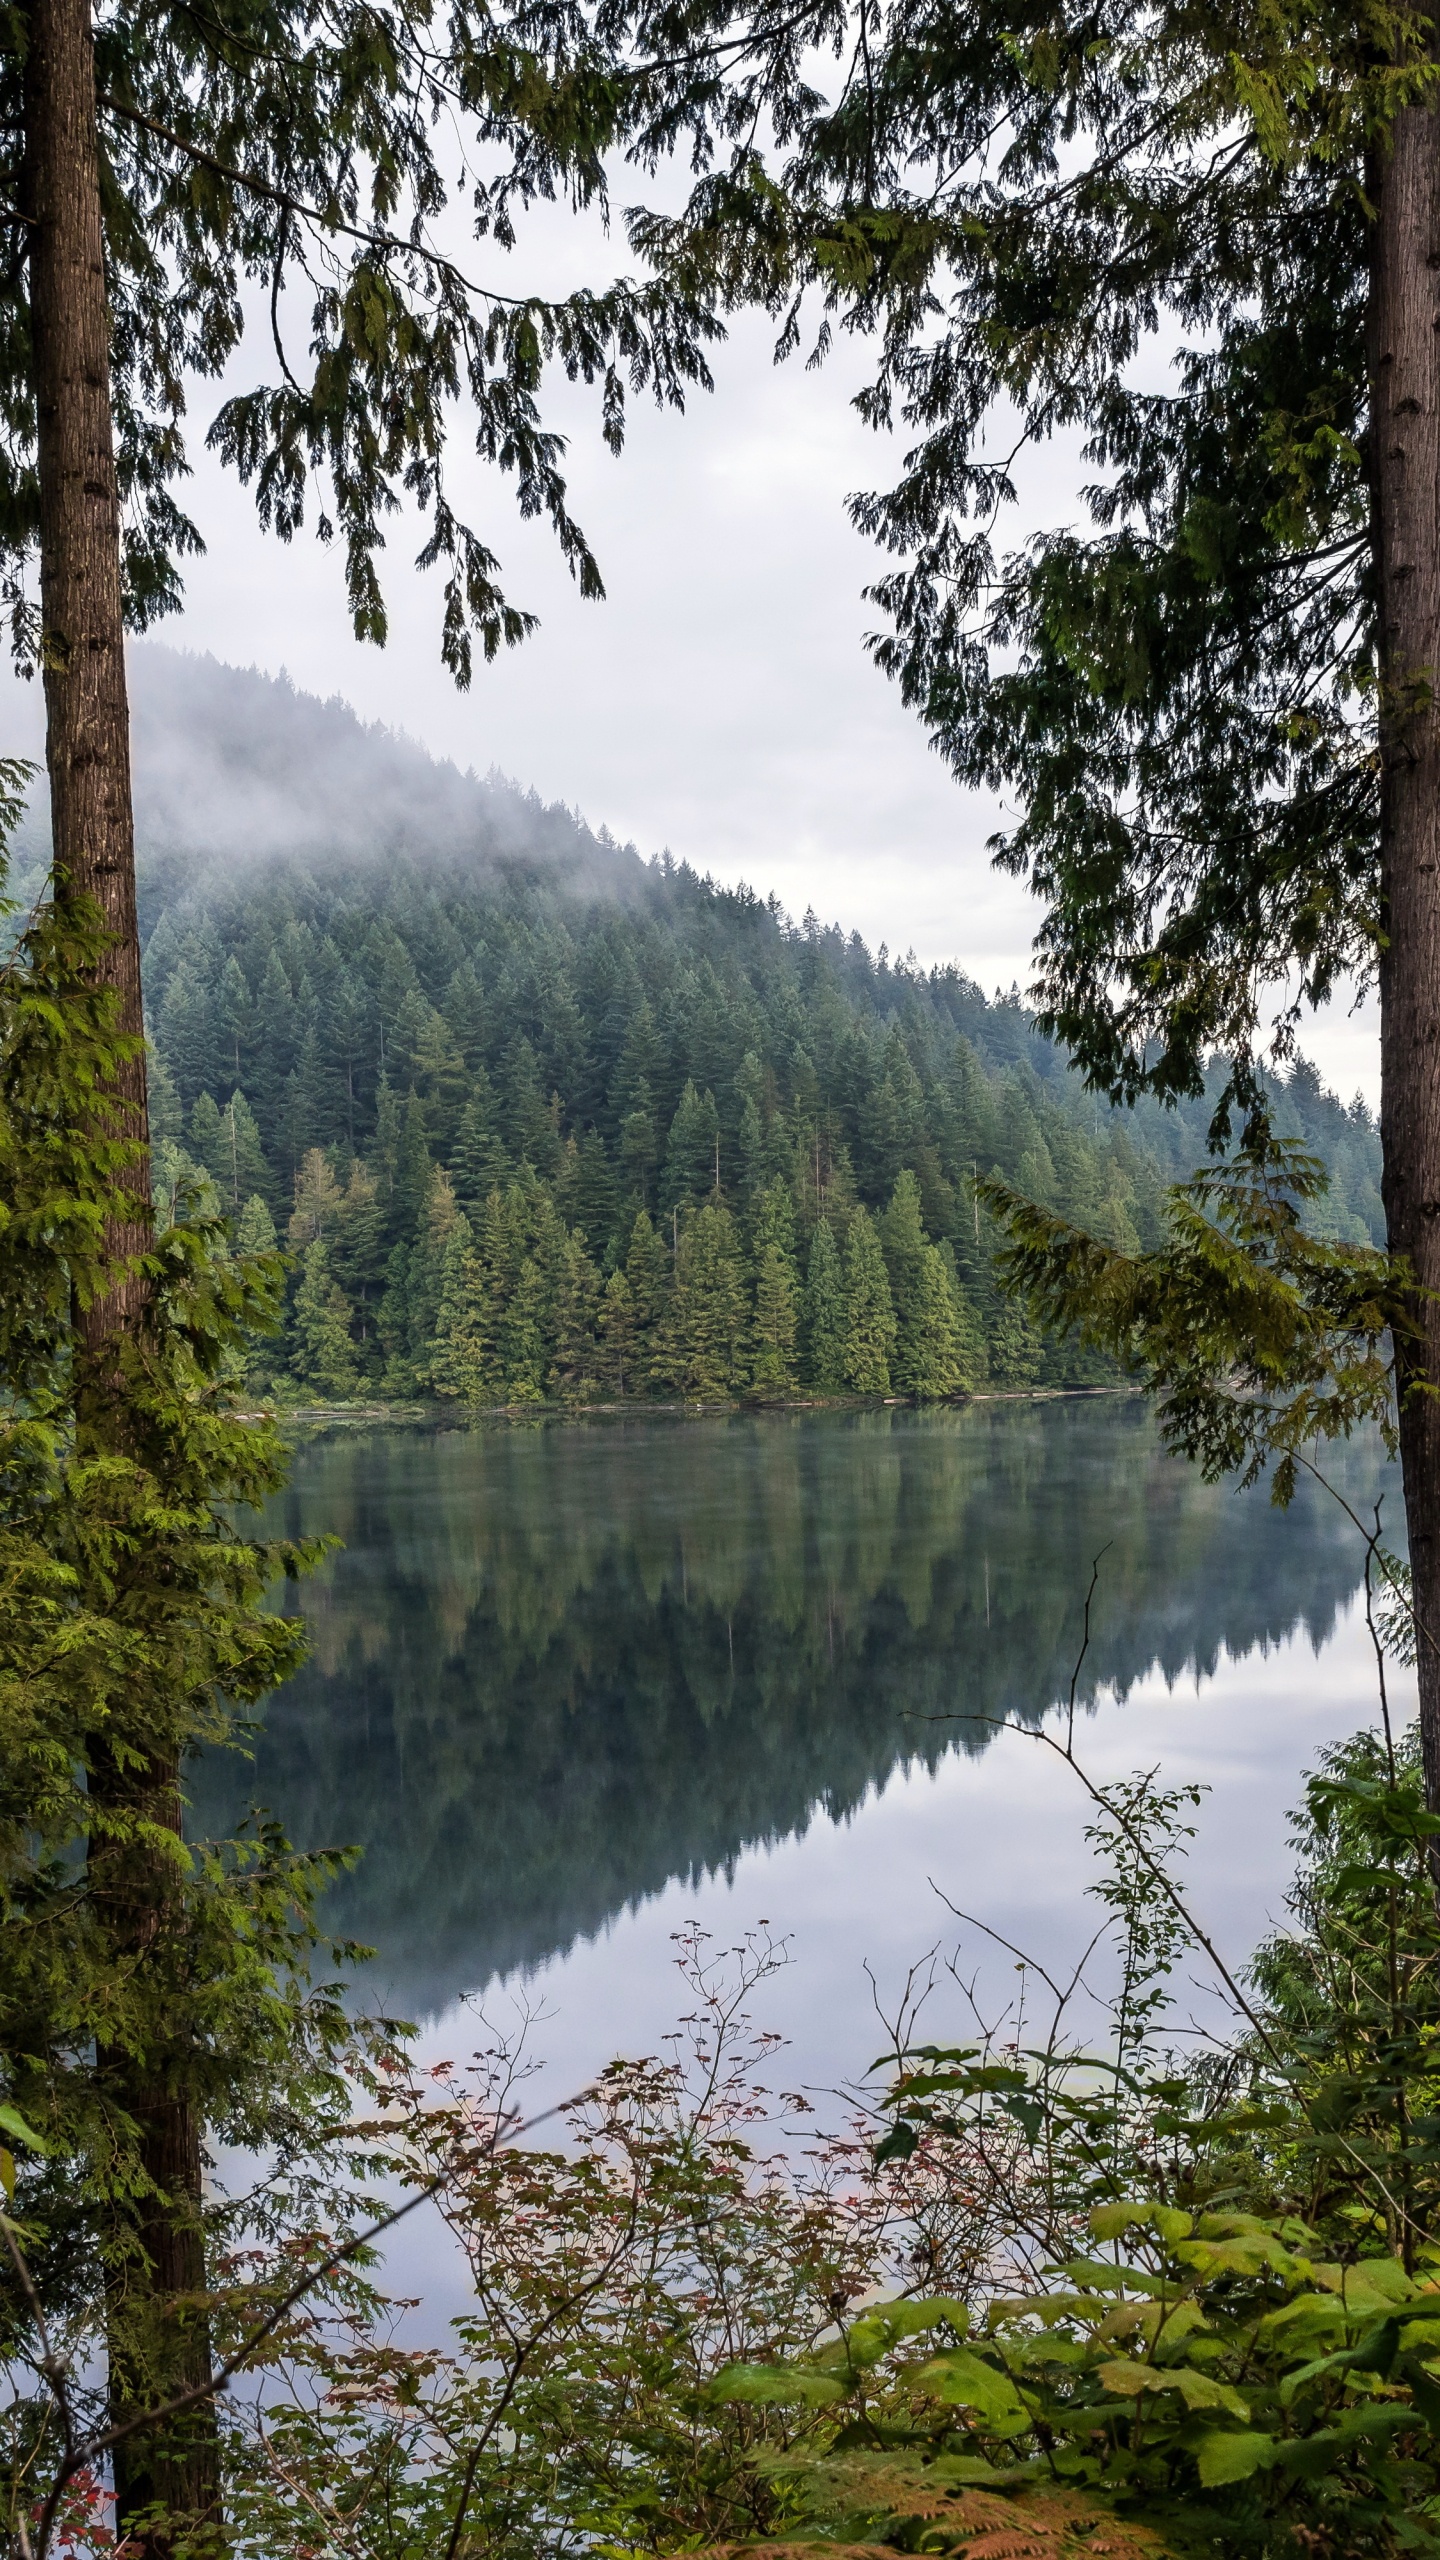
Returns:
<point x="774" y="1369"/>
<point x="356" y="1240"/>
<point x="317" y="1200"/>
<point x="648" y="1277"/>
<point x="233" y="1012"/>
<point x="616" y="1327"/>
<point x="691" y="1150"/>
<point x="205" y="1141"/>
<point x="323" y="1354"/>
<point x="413" y="1167"/>
<point x="459" y="1363"/>
<point x="704" y="1342"/>
<point x="520" y="1336"/>
<point x="530" y="1130"/>
<point x="905" y="1244"/>
<point x="440" y="1220"/>
<point x="639" y="1152"/>
<point x="575" y="1366"/>
<point x="478" y="1162"/>
<point x="1017" y="1349"/>
<point x="392" y="1323"/>
<point x="930" y="1346"/>
<point x="255" y="1232"/>
<point x="825" y="1314"/>
<point x="167" y="1120"/>
<point x="242" y="1168"/>
<point x="869" y="1311"/>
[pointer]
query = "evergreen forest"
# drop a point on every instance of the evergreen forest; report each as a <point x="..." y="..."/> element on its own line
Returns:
<point x="536" y="1119"/>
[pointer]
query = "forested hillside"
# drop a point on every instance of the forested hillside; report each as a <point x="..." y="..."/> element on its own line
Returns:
<point x="538" y="1118"/>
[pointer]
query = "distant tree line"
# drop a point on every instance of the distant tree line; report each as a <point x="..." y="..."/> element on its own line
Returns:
<point x="525" y="1143"/>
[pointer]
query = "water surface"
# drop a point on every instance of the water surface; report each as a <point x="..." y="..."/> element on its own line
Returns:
<point x="570" y="1682"/>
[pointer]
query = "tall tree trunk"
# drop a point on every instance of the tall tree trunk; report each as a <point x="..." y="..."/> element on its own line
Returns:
<point x="1404" y="356"/>
<point x="155" y="2348"/>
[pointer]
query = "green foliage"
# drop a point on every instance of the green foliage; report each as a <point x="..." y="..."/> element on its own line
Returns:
<point x="650" y="1031"/>
<point x="1246" y="2362"/>
<point x="323" y="1355"/>
<point x="1255" y="1336"/>
<point x="869" y="1340"/>
<point x="1178" y="691"/>
<point x="704" y="1350"/>
<point x="825" y="1312"/>
<point x="132" y="1630"/>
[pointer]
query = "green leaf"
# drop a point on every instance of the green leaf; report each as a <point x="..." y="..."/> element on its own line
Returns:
<point x="1234" y="2455"/>
<point x="776" y="2386"/>
<point x="1198" y="2390"/>
<point x="13" y="2123"/>
<point x="1111" y="2221"/>
<point x="965" y="2381"/>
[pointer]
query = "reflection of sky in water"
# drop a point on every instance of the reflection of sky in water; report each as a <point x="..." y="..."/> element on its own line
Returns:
<point x="1002" y="1837"/>
<point x="566" y="1674"/>
<point x="580" y="1686"/>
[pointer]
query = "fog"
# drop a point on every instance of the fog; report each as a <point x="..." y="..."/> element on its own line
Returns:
<point x="234" y="767"/>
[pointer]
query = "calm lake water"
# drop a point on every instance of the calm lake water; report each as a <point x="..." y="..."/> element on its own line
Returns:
<point x="572" y="1685"/>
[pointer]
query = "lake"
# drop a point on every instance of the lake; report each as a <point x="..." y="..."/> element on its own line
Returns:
<point x="574" y="1683"/>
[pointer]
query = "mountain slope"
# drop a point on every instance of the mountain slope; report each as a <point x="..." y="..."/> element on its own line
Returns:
<point x="453" y="1045"/>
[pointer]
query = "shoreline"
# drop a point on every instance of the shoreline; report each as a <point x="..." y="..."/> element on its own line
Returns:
<point x="376" y="1413"/>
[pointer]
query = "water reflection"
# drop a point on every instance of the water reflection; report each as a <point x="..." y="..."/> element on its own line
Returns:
<point x="556" y="1668"/>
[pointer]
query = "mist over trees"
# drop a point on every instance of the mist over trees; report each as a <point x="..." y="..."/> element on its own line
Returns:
<point x="537" y="1118"/>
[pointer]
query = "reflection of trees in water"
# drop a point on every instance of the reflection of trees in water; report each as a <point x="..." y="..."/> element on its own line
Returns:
<point x="556" y="1667"/>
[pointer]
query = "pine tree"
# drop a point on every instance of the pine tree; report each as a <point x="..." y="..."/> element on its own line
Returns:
<point x="273" y="1043"/>
<point x="691" y="1150"/>
<point x="575" y="1366"/>
<point x="520" y="1336"/>
<point x="255" y="1230"/>
<point x="187" y="1034"/>
<point x="392" y="1323"/>
<point x="459" y="1364"/>
<point x="585" y="1193"/>
<point x="356" y="1240"/>
<point x="929" y="1363"/>
<point x="869" y="1312"/>
<point x="772" y="1218"/>
<point x="774" y="1369"/>
<point x="322" y="1353"/>
<point x="440" y="1220"/>
<point x="206" y="1146"/>
<point x="648" y="1277"/>
<point x="167" y="1120"/>
<point x="1017" y="1349"/>
<point x="233" y="1012"/>
<point x="317" y="1200"/>
<point x="242" y="1167"/>
<point x="413" y="1168"/>
<point x="529" y="1122"/>
<point x="443" y="1081"/>
<point x="825" y="1315"/>
<point x="639" y="1150"/>
<point x="616" y="1326"/>
<point x="478" y="1161"/>
<point x="704" y="1341"/>
<point x="905" y="1244"/>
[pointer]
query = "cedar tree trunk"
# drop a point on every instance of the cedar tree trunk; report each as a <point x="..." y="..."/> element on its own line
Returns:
<point x="1404" y="361"/>
<point x="156" y="2350"/>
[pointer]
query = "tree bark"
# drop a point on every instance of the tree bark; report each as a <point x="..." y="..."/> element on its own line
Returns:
<point x="157" y="2345"/>
<point x="1404" y="363"/>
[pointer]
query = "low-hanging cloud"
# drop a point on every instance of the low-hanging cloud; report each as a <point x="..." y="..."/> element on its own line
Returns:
<point x="236" y="768"/>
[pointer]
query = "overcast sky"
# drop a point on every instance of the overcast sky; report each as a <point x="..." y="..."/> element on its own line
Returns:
<point x="721" y="701"/>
